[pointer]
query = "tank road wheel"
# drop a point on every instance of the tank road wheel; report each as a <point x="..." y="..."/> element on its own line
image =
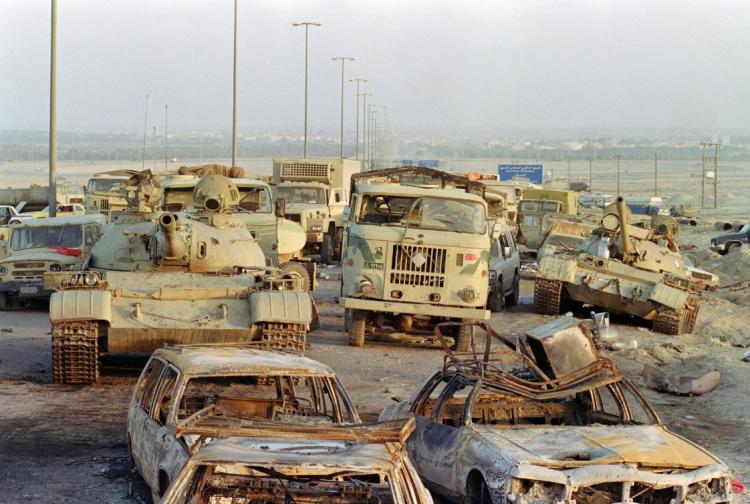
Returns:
<point x="547" y="296"/>
<point x="75" y="352"/>
<point x="327" y="249"/>
<point x="293" y="270"/>
<point x="463" y="336"/>
<point x="357" y="327"/>
<point x="512" y="298"/>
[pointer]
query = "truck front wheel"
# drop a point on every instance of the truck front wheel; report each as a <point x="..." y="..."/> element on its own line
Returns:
<point x="463" y="336"/>
<point x="327" y="249"/>
<point x="357" y="327"/>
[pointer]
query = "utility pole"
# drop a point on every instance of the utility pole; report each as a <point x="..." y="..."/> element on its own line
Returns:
<point x="591" y="183"/>
<point x="52" y="189"/>
<point x="358" y="81"/>
<point x="656" y="169"/>
<point x="234" y="91"/>
<point x="153" y="149"/>
<point x="618" y="157"/>
<point x="703" y="176"/>
<point x="145" y="129"/>
<point x="307" y="25"/>
<point x="343" y="60"/>
<point x="716" y="173"/>
<point x="166" y="136"/>
<point x="371" y="136"/>
<point x="568" y="174"/>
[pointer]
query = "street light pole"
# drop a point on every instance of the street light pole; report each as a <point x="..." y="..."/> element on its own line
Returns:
<point x="52" y="190"/>
<point x="358" y="81"/>
<point x="234" y="91"/>
<point x="307" y="25"/>
<point x="343" y="59"/>
<point x="145" y="130"/>
<point x="166" y="136"/>
<point x="364" y="126"/>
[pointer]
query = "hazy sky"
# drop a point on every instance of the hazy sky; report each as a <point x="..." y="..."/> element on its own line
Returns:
<point x="451" y="66"/>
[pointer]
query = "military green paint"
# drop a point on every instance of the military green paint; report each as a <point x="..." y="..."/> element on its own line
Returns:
<point x="470" y="269"/>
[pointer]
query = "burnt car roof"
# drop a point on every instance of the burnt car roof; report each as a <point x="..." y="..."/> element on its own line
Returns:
<point x="229" y="360"/>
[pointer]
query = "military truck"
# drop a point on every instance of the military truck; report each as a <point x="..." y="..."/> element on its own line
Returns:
<point x="635" y="270"/>
<point x="281" y="240"/>
<point x="160" y="277"/>
<point x="415" y="255"/>
<point x="40" y="245"/>
<point x="105" y="195"/>
<point x="315" y="192"/>
<point x="538" y="209"/>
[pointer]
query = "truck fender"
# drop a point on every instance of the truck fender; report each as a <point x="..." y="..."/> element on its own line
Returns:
<point x="80" y="305"/>
<point x="281" y="306"/>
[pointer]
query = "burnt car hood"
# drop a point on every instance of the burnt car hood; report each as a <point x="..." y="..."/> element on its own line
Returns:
<point x="568" y="447"/>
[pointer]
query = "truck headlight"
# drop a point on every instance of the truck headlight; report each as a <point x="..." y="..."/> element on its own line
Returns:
<point x="468" y="294"/>
<point x="316" y="228"/>
<point x="3" y="270"/>
<point x="90" y="279"/>
<point x="55" y="267"/>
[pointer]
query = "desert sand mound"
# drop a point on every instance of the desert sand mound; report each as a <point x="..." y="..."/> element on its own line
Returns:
<point x="732" y="268"/>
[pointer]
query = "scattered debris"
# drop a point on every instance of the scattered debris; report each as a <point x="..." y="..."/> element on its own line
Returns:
<point x="680" y="384"/>
<point x="6" y="329"/>
<point x="746" y="357"/>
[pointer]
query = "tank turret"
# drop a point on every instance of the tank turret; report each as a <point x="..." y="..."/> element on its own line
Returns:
<point x="216" y="193"/>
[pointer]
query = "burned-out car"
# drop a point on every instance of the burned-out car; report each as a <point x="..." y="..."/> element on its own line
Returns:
<point x="343" y="465"/>
<point x="188" y="394"/>
<point x="549" y="420"/>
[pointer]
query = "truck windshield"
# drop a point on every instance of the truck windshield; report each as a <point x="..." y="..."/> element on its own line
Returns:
<point x="309" y="195"/>
<point x="256" y="199"/>
<point x="103" y="185"/>
<point x="46" y="237"/>
<point x="427" y="213"/>
<point x="541" y="206"/>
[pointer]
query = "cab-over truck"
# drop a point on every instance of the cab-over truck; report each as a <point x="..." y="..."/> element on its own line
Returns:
<point x="413" y="256"/>
<point x="315" y="192"/>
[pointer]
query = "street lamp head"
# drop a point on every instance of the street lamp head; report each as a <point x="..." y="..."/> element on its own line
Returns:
<point x="342" y="58"/>
<point x="306" y="23"/>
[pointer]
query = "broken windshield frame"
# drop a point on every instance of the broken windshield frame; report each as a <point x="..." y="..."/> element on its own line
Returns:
<point x="440" y="214"/>
<point x="301" y="194"/>
<point x="30" y="237"/>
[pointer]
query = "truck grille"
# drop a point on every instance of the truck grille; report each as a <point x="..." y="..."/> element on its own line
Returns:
<point x="104" y="205"/>
<point x="408" y="269"/>
<point x="304" y="170"/>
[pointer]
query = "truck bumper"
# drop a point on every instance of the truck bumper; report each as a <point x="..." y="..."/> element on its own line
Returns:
<point x="25" y="289"/>
<point x="375" y="305"/>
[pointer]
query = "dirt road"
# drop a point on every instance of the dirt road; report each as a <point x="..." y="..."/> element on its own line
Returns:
<point x="67" y="443"/>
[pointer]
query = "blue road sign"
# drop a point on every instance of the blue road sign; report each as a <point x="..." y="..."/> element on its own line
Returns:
<point x="429" y="163"/>
<point x="407" y="162"/>
<point x="532" y="173"/>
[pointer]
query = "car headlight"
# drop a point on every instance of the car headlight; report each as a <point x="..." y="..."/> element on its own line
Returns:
<point x="316" y="228"/>
<point x="55" y="267"/>
<point x="542" y="491"/>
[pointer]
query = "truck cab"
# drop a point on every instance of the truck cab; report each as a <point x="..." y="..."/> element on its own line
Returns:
<point x="414" y="256"/>
<point x="539" y="208"/>
<point x="315" y="193"/>
<point x="105" y="193"/>
<point x="38" y="246"/>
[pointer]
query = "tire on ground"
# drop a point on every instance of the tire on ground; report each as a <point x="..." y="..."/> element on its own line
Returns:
<point x="357" y="327"/>
<point x="296" y="270"/>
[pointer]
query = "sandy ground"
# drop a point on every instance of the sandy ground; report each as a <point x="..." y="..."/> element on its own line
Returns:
<point x="67" y="444"/>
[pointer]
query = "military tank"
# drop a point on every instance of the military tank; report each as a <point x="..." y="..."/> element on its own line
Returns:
<point x="159" y="277"/>
<point x="631" y="269"/>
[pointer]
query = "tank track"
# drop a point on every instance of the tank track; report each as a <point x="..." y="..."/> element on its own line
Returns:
<point x="670" y="321"/>
<point x="547" y="296"/>
<point x="284" y="336"/>
<point x="75" y="352"/>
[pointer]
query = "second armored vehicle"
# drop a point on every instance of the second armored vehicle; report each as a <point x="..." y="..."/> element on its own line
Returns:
<point x="635" y="270"/>
<point x="160" y="277"/>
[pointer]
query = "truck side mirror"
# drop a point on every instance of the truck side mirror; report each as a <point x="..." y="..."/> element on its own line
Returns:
<point x="495" y="233"/>
<point x="280" y="208"/>
<point x="347" y="213"/>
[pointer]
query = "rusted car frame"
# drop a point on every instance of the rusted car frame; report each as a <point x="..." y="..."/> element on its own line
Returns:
<point x="189" y="395"/>
<point x="505" y="426"/>
<point x="353" y="464"/>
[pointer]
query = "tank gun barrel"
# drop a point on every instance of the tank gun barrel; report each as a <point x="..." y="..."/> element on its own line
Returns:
<point x="622" y="213"/>
<point x="175" y="247"/>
